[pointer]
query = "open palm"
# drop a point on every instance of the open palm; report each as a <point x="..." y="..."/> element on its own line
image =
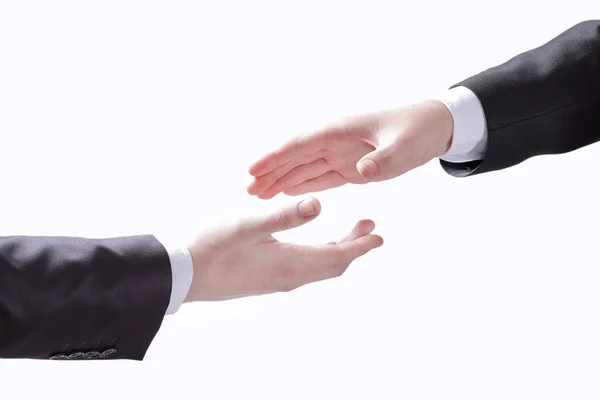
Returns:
<point x="243" y="258"/>
<point x="324" y="160"/>
<point x="368" y="148"/>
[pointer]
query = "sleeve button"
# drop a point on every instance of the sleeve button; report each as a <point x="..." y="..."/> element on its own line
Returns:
<point x="108" y="353"/>
<point x="75" y="356"/>
<point x="90" y="355"/>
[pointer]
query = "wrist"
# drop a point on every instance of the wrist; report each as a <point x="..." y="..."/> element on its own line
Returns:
<point x="190" y="297"/>
<point x="203" y="257"/>
<point x="443" y="126"/>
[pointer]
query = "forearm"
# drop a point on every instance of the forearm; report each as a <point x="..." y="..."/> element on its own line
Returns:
<point x="544" y="101"/>
<point x="73" y="296"/>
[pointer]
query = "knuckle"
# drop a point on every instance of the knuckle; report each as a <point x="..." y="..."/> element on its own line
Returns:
<point x="283" y="219"/>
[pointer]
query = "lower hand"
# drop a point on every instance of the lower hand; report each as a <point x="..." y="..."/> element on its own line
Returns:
<point x="244" y="259"/>
<point x="367" y="148"/>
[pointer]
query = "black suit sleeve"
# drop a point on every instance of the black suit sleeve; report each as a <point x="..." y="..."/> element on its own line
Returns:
<point x="75" y="298"/>
<point x="544" y="101"/>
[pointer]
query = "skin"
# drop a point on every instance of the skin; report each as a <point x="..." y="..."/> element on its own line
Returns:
<point x="244" y="259"/>
<point x="366" y="148"/>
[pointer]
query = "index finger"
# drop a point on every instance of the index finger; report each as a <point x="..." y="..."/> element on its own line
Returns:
<point x="298" y="146"/>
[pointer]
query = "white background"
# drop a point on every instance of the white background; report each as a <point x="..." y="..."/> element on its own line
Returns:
<point x="125" y="117"/>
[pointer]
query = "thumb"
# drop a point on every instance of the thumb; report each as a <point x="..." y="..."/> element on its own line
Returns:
<point x="289" y="217"/>
<point x="379" y="164"/>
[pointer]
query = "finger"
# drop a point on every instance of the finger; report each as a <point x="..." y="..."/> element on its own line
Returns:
<point x="379" y="164"/>
<point x="288" y="217"/>
<point x="299" y="146"/>
<point x="329" y="180"/>
<point x="362" y="228"/>
<point x="387" y="161"/>
<point x="263" y="182"/>
<point x="317" y="263"/>
<point x="361" y="246"/>
<point x="300" y="174"/>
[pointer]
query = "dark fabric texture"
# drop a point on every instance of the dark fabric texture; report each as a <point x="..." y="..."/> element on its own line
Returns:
<point x="75" y="298"/>
<point x="543" y="101"/>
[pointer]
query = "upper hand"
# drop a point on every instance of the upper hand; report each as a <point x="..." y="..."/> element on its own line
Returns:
<point x="367" y="148"/>
<point x="244" y="259"/>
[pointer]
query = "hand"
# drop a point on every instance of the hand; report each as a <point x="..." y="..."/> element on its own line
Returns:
<point x="366" y="148"/>
<point x="244" y="259"/>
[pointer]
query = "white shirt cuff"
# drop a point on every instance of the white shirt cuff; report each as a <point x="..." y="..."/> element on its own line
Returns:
<point x="182" y="272"/>
<point x="469" y="137"/>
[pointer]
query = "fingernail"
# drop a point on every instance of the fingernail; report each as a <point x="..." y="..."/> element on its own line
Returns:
<point x="307" y="208"/>
<point x="367" y="168"/>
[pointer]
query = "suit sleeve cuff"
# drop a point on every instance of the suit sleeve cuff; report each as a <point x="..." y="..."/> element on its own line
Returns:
<point x="469" y="137"/>
<point x="182" y="272"/>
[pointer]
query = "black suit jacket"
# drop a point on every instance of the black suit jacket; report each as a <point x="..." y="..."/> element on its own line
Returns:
<point x="544" y="101"/>
<point x="74" y="298"/>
